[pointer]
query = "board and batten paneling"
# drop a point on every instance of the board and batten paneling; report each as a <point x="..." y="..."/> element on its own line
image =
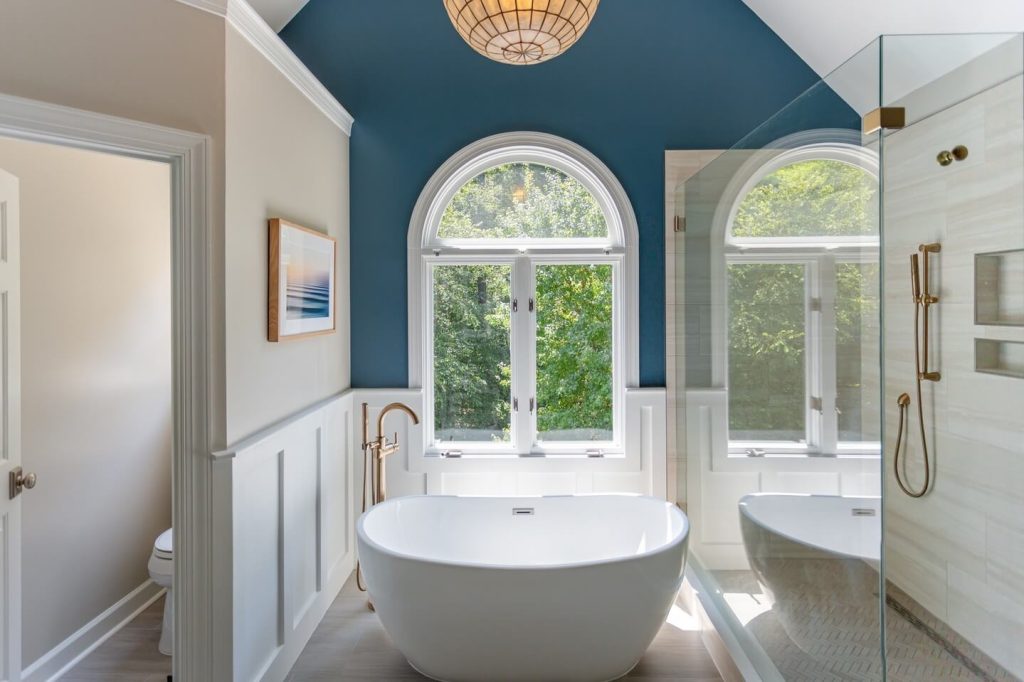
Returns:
<point x="285" y="526"/>
<point x="642" y="470"/>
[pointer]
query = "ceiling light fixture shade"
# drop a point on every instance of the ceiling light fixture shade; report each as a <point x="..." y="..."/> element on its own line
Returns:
<point x="521" y="32"/>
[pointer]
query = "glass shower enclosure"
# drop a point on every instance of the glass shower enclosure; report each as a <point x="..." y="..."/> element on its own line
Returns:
<point x="847" y="359"/>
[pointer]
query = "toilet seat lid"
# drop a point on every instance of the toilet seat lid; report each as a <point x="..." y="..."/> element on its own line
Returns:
<point x="165" y="542"/>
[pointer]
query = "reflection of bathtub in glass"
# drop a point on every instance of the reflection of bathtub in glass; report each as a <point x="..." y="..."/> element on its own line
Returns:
<point x="816" y="557"/>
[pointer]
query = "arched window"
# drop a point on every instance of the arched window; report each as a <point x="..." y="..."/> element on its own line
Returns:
<point x="522" y="301"/>
<point x="801" y="275"/>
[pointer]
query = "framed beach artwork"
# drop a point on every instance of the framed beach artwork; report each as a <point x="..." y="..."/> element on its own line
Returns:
<point x="301" y="278"/>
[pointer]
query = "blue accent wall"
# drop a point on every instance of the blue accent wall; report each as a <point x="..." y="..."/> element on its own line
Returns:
<point x="648" y="75"/>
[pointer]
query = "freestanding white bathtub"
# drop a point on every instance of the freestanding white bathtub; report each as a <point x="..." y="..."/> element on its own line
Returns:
<point x="475" y="589"/>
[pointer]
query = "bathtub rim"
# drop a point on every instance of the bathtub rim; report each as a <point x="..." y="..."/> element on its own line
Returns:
<point x="680" y="539"/>
<point x="838" y="554"/>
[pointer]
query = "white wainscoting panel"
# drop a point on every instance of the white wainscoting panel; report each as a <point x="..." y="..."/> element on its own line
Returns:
<point x="641" y="470"/>
<point x="284" y="520"/>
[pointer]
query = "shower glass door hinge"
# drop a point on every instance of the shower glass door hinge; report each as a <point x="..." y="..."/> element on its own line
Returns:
<point x="515" y="305"/>
<point x="884" y="118"/>
<point x="816" y="404"/>
<point x="679" y="224"/>
<point x="515" y="404"/>
<point x="531" y="305"/>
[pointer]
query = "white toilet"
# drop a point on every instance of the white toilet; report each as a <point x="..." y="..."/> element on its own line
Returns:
<point x="161" y="570"/>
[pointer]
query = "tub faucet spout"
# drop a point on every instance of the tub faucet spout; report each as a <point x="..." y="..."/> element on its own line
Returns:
<point x="380" y="447"/>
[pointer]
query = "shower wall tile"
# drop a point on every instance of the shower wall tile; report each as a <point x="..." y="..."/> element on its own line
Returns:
<point x="680" y="165"/>
<point x="960" y="550"/>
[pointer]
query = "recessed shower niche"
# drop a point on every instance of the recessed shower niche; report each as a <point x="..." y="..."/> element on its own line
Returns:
<point x="999" y="288"/>
<point x="1005" y="358"/>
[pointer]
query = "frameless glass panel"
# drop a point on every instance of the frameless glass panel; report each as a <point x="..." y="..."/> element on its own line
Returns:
<point x="857" y="368"/>
<point x="767" y="330"/>
<point x="523" y="200"/>
<point x="787" y="544"/>
<point x="574" y="352"/>
<point x="817" y="198"/>
<point x="953" y="182"/>
<point x="472" y="353"/>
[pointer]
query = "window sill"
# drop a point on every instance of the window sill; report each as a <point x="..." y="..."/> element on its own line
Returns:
<point x="743" y="455"/>
<point x="458" y="454"/>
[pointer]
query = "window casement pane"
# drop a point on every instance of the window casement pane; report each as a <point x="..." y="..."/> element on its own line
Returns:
<point x="856" y="352"/>
<point x="767" y="351"/>
<point x="574" y="352"/>
<point x="472" y="359"/>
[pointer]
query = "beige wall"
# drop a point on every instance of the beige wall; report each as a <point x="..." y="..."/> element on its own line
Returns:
<point x="959" y="551"/>
<point x="163" y="62"/>
<point x="283" y="159"/>
<point x="96" y="380"/>
<point x="156" y="61"/>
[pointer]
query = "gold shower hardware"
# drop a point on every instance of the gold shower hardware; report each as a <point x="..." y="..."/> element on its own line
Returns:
<point x="920" y="286"/>
<point x="946" y="156"/>
<point x="374" y="452"/>
<point x="925" y="300"/>
<point x="889" y="118"/>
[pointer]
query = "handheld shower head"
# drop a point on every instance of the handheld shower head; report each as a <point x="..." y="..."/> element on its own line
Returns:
<point x="915" y="278"/>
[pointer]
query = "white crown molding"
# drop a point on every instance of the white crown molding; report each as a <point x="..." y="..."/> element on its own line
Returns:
<point x="218" y="7"/>
<point x="244" y="19"/>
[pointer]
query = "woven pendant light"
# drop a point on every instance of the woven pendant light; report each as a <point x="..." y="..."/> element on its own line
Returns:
<point x="521" y="32"/>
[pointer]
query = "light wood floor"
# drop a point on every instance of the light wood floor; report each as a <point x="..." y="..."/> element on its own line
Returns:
<point x="350" y="645"/>
<point x="131" y="655"/>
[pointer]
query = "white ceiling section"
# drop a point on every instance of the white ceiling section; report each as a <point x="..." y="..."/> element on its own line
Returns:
<point x="829" y="33"/>
<point x="277" y="13"/>
<point x="825" y="33"/>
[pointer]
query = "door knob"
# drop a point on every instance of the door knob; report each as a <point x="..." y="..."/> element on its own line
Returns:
<point x="19" y="481"/>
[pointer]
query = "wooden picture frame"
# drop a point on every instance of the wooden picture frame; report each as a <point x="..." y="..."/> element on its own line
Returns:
<point x="301" y="279"/>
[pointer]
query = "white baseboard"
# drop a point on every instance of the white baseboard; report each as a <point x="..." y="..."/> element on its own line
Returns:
<point x="59" y="660"/>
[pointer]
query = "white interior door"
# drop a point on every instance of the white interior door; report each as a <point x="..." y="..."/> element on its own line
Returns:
<point x="10" y="431"/>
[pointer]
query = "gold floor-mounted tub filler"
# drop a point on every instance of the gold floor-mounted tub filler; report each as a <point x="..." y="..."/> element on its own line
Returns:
<point x="374" y="452"/>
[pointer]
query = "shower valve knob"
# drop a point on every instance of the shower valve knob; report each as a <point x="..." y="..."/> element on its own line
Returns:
<point x="947" y="156"/>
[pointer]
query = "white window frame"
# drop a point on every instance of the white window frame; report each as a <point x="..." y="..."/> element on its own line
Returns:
<point x="820" y="257"/>
<point x="619" y="249"/>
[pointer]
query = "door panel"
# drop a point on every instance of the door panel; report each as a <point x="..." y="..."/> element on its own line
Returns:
<point x="10" y="430"/>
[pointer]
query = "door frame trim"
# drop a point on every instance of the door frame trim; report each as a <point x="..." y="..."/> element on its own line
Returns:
<point x="194" y="357"/>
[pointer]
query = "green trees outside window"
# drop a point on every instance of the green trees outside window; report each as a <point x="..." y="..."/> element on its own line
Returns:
<point x="574" y="352"/>
<point x="472" y="352"/>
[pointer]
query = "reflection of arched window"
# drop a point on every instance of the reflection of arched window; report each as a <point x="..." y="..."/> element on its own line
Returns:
<point x="521" y="290"/>
<point x="801" y="275"/>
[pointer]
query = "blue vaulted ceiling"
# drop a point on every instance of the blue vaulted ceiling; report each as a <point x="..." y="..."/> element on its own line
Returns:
<point x="648" y="75"/>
